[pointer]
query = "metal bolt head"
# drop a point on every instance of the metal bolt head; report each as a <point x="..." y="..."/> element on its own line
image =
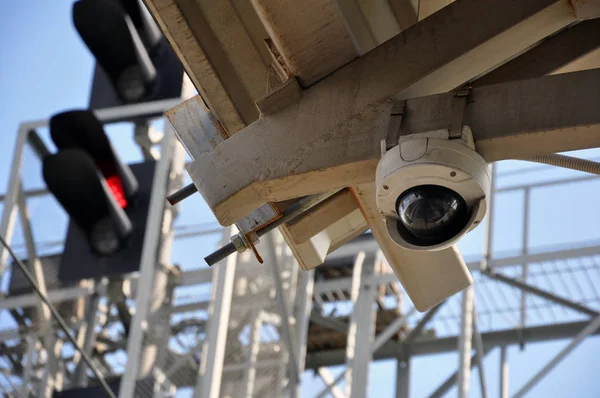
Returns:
<point x="238" y="242"/>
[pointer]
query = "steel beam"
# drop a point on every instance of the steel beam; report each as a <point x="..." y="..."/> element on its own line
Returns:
<point x="156" y="241"/>
<point x="464" y="342"/>
<point x="403" y="377"/>
<point x="329" y="387"/>
<point x="428" y="346"/>
<point x="299" y="136"/>
<point x="86" y="338"/>
<point x="33" y="261"/>
<point x="156" y="339"/>
<point x="504" y="375"/>
<point x="30" y="342"/>
<point x="550" y="56"/>
<point x="590" y="328"/>
<point x="524" y="251"/>
<point x="211" y="366"/>
<point x="253" y="348"/>
<point x="32" y="193"/>
<point x="332" y="285"/>
<point x="304" y="304"/>
<point x="197" y="276"/>
<point x="284" y="311"/>
<point x="330" y="383"/>
<point x="55" y="296"/>
<point x="9" y="210"/>
<point x="50" y="378"/>
<point x="541" y="293"/>
<point x="328" y="322"/>
<point x="479" y="355"/>
<point x="451" y="380"/>
<point x="122" y="113"/>
<point x="368" y="243"/>
<point x="362" y="326"/>
<point x="390" y="330"/>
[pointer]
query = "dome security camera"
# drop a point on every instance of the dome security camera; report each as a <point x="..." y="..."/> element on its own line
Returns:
<point x="431" y="190"/>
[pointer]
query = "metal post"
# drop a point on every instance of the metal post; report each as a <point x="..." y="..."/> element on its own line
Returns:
<point x="504" y="373"/>
<point x="31" y="342"/>
<point x="403" y="377"/>
<point x="304" y="303"/>
<point x="208" y="384"/>
<point x="158" y="230"/>
<point x="46" y="386"/>
<point x="589" y="329"/>
<point x="464" y="342"/>
<point x="362" y="326"/>
<point x="58" y="370"/>
<point x="525" y="250"/>
<point x="253" y="348"/>
<point x="155" y="345"/>
<point x="9" y="211"/>
<point x="86" y="338"/>
<point x="479" y="356"/>
<point x="33" y="260"/>
<point x="283" y="308"/>
<point x="488" y="239"/>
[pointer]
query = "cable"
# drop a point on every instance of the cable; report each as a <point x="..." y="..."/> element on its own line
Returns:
<point x="61" y="322"/>
<point x="568" y="162"/>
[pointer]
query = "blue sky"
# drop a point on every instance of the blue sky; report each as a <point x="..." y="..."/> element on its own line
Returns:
<point x="45" y="68"/>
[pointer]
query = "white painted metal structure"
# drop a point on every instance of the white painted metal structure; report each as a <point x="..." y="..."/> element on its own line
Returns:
<point x="246" y="329"/>
<point x="252" y="357"/>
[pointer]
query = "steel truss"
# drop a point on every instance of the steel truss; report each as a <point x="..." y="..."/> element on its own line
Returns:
<point x="244" y="347"/>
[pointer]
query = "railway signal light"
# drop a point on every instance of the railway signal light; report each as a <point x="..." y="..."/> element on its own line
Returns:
<point x="121" y="38"/>
<point x="89" y="180"/>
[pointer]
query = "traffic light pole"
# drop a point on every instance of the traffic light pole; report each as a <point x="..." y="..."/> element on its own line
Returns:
<point x="147" y="338"/>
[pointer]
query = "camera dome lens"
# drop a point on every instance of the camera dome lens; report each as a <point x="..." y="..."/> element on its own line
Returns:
<point x="430" y="214"/>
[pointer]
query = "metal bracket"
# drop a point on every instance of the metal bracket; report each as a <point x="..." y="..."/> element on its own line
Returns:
<point x="455" y="130"/>
<point x="396" y="116"/>
<point x="243" y="241"/>
<point x="460" y="103"/>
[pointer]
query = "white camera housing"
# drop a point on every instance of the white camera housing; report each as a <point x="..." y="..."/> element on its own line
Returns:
<point x="432" y="158"/>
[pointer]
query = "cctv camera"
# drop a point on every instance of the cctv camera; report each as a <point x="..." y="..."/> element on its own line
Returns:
<point x="431" y="189"/>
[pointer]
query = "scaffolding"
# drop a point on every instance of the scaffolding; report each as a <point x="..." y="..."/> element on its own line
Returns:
<point x="245" y="329"/>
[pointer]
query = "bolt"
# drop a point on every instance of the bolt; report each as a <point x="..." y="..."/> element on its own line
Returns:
<point x="238" y="242"/>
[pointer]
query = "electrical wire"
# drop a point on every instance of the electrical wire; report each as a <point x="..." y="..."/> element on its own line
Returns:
<point x="567" y="162"/>
<point x="61" y="322"/>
